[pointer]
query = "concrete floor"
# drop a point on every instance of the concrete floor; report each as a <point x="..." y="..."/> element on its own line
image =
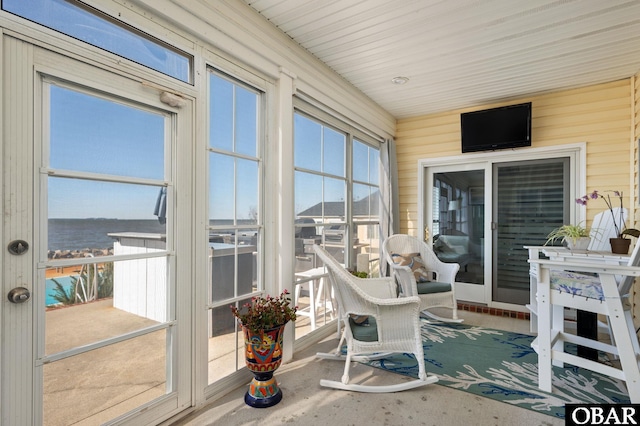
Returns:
<point x="306" y="403"/>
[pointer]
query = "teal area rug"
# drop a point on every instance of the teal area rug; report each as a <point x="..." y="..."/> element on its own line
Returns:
<point x="501" y="365"/>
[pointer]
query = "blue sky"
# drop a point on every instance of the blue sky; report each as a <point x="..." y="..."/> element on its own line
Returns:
<point x="90" y="134"/>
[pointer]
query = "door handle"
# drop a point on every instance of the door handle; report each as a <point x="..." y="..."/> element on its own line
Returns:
<point x="19" y="295"/>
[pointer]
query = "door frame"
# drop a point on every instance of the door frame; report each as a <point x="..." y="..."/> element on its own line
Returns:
<point x="26" y="130"/>
<point x="577" y="154"/>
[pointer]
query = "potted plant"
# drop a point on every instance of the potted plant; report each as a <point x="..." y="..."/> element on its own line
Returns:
<point x="576" y="236"/>
<point x="620" y="244"/>
<point x="263" y="321"/>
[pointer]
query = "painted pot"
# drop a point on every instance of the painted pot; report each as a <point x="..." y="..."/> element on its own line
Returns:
<point x="263" y="356"/>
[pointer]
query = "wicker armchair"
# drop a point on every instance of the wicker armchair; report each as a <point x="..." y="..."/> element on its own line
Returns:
<point x="438" y="289"/>
<point x="391" y="325"/>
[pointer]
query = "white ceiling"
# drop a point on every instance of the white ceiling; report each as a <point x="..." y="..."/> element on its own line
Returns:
<point x="463" y="53"/>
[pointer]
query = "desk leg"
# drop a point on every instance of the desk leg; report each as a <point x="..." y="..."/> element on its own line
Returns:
<point x="587" y="325"/>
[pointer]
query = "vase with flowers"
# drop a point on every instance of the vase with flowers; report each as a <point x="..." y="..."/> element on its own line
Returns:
<point x="263" y="321"/>
<point x="619" y="244"/>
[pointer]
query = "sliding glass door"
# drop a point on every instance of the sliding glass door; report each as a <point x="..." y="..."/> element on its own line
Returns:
<point x="530" y="199"/>
<point x="482" y="212"/>
<point x="457" y="227"/>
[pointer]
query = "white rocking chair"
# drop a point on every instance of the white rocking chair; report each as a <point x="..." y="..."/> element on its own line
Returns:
<point x="439" y="291"/>
<point x="393" y="325"/>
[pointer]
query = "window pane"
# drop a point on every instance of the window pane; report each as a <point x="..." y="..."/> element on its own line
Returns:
<point x="221" y="187"/>
<point x="91" y="26"/>
<point x="247" y="191"/>
<point x="83" y="213"/>
<point x="374" y="166"/>
<point x="333" y="161"/>
<point x="366" y="246"/>
<point x="361" y="202"/>
<point x="220" y="113"/>
<point x="246" y="122"/>
<point x="308" y="143"/>
<point x="105" y="379"/>
<point x="308" y="195"/>
<point x="125" y="141"/>
<point x="334" y="197"/>
<point x="360" y="162"/>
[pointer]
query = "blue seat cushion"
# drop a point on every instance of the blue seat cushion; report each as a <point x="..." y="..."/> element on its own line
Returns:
<point x="433" y="287"/>
<point x="577" y="284"/>
<point x="366" y="331"/>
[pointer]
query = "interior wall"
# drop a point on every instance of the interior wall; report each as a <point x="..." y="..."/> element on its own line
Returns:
<point x="600" y="115"/>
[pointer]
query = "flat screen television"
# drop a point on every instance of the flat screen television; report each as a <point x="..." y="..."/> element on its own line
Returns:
<point x="496" y="128"/>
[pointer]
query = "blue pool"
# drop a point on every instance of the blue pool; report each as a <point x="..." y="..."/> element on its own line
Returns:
<point x="50" y="286"/>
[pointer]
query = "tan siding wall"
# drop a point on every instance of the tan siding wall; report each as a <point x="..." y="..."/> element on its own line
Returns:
<point x="599" y="115"/>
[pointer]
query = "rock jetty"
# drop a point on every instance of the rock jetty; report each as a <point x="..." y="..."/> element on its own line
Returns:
<point x="74" y="254"/>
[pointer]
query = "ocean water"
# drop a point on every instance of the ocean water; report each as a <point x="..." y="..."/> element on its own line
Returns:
<point x="78" y="234"/>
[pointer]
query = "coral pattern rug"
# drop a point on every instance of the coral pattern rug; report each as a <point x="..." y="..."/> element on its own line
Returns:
<point x="502" y="365"/>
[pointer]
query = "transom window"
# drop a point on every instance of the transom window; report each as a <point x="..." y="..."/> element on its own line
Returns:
<point x="85" y="23"/>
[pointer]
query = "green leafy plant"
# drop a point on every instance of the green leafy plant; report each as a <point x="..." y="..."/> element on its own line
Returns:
<point x="359" y="274"/>
<point x="264" y="313"/>
<point x="567" y="232"/>
<point x="618" y="220"/>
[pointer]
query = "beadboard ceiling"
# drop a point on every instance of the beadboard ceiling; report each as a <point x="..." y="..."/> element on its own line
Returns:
<point x="463" y="53"/>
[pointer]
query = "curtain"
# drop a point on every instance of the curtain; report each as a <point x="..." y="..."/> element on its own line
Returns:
<point x="390" y="205"/>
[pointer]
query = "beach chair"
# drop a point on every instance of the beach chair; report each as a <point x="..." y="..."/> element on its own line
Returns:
<point x="590" y="287"/>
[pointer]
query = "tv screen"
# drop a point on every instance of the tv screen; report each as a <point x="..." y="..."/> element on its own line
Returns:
<point x="496" y="128"/>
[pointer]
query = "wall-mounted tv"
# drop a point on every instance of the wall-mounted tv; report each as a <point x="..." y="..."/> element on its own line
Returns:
<point x="496" y="128"/>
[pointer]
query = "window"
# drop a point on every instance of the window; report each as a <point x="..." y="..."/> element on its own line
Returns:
<point x="92" y="26"/>
<point x="234" y="228"/>
<point x="337" y="201"/>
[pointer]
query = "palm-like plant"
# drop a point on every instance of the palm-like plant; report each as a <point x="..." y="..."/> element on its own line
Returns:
<point x="93" y="283"/>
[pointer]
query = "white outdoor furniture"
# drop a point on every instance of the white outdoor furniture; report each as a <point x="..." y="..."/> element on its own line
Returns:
<point x="320" y="298"/>
<point x="603" y="228"/>
<point x="391" y="325"/>
<point x="439" y="291"/>
<point x="567" y="283"/>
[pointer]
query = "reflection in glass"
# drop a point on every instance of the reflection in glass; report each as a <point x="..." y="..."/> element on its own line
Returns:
<point x="125" y="141"/>
<point x="458" y="222"/>
<point x="97" y="386"/>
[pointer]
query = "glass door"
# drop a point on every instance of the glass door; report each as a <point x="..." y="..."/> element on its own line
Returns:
<point x="88" y="185"/>
<point x="457" y="228"/>
<point x="531" y="198"/>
